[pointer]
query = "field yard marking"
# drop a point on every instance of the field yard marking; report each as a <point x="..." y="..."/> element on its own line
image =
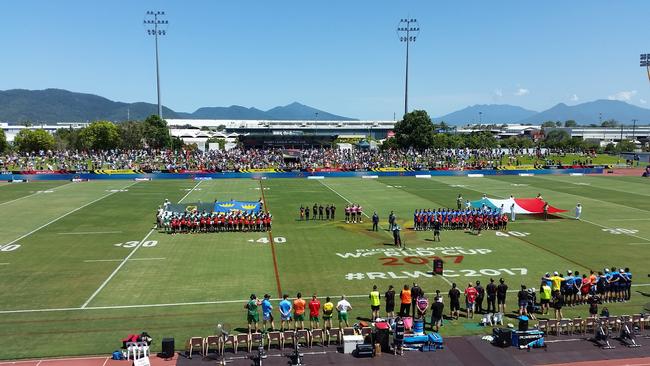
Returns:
<point x="275" y="259"/>
<point x="605" y="227"/>
<point x="119" y="260"/>
<point x="110" y="277"/>
<point x="91" y="232"/>
<point x="366" y="215"/>
<point x="62" y="216"/>
<point x="4" y="264"/>
<point x="638" y="243"/>
<point x="33" y="194"/>
<point x="216" y="302"/>
<point x="53" y="360"/>
<point x="190" y="191"/>
<point x="101" y="260"/>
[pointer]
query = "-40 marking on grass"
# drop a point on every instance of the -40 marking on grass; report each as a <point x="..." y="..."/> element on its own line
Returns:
<point x="277" y="240"/>
<point x="511" y="233"/>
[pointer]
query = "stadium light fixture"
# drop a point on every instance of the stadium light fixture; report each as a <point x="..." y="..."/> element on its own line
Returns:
<point x="407" y="30"/>
<point x="155" y="26"/>
<point x="644" y="61"/>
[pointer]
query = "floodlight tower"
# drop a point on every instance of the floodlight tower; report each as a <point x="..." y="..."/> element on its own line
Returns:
<point x="645" y="62"/>
<point x="156" y="25"/>
<point x="407" y="30"/>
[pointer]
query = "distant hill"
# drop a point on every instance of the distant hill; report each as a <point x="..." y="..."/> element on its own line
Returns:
<point x="589" y="112"/>
<point x="491" y="113"/>
<point x="58" y="105"/>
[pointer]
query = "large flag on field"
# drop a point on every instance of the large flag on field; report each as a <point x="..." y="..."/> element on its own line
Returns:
<point x="229" y="206"/>
<point x="522" y="205"/>
<point x="181" y="208"/>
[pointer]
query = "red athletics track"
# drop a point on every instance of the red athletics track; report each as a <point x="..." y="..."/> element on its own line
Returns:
<point x="86" y="361"/>
<point x="645" y="361"/>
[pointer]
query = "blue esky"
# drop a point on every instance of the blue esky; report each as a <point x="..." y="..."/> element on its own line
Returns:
<point x="340" y="56"/>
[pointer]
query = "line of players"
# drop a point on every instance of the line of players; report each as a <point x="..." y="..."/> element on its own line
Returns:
<point x="217" y="222"/>
<point x="467" y="219"/>
<point x="318" y="209"/>
<point x="609" y="285"/>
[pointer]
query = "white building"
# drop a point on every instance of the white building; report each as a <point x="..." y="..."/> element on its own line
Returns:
<point x="12" y="130"/>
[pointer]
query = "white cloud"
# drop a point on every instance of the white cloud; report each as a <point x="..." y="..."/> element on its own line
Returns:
<point x="625" y="95"/>
<point x="575" y="98"/>
<point x="498" y="92"/>
<point x="521" y="92"/>
<point x="643" y="101"/>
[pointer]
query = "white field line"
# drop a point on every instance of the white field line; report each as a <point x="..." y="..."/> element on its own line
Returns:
<point x="4" y="264"/>
<point x="366" y="215"/>
<point x="190" y="191"/>
<point x="217" y="302"/>
<point x="119" y="260"/>
<point x="110" y="277"/>
<point x="62" y="216"/>
<point x="33" y="194"/>
<point x="644" y="219"/>
<point x="51" y="359"/>
<point x="91" y="232"/>
<point x="638" y="243"/>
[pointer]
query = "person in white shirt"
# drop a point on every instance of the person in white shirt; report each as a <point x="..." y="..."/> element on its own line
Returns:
<point x="343" y="306"/>
<point x="578" y="211"/>
<point x="512" y="212"/>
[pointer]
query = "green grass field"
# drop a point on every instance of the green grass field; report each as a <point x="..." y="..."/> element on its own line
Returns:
<point x="81" y="267"/>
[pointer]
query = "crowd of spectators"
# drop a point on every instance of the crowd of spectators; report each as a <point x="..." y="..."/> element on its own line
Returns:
<point x="303" y="159"/>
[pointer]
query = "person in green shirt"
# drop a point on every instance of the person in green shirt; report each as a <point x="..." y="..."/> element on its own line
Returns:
<point x="252" y="313"/>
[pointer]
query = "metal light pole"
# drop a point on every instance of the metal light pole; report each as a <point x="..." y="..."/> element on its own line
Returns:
<point x="408" y="30"/>
<point x="156" y="25"/>
<point x="634" y="130"/>
<point x="480" y="118"/>
<point x="645" y="62"/>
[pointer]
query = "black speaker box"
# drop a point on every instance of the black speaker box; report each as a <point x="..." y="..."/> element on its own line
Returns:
<point x="365" y="350"/>
<point x="502" y="337"/>
<point x="167" y="348"/>
<point x="382" y="336"/>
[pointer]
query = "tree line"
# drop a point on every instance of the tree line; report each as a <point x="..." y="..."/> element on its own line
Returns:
<point x="416" y="130"/>
<point x="99" y="135"/>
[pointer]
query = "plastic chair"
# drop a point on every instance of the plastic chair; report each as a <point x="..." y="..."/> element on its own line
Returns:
<point x="497" y="319"/>
<point x="552" y="324"/>
<point x="229" y="339"/>
<point x="131" y="350"/>
<point x="244" y="338"/>
<point x="212" y="341"/>
<point x="334" y="332"/>
<point x="317" y="333"/>
<point x="637" y="320"/>
<point x="578" y="325"/>
<point x="194" y="342"/>
<point x="487" y="319"/>
<point x="564" y="325"/>
<point x="542" y="325"/>
<point x="302" y="334"/>
<point x="589" y="325"/>
<point x="288" y="336"/>
<point x="143" y="349"/>
<point x="274" y="336"/>
<point x="258" y="339"/>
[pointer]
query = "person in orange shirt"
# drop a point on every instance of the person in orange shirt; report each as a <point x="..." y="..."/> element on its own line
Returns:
<point x="405" y="297"/>
<point x="299" y="312"/>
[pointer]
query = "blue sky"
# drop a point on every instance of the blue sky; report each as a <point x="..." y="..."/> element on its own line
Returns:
<point x="337" y="55"/>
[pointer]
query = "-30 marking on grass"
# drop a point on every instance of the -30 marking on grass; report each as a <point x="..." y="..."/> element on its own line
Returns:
<point x="618" y="231"/>
<point x="511" y="233"/>
<point x="134" y="243"/>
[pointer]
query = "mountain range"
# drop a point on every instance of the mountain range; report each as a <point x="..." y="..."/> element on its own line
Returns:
<point x="585" y="113"/>
<point x="57" y="105"/>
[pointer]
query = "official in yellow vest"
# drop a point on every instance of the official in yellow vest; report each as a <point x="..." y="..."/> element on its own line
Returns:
<point x="374" y="302"/>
